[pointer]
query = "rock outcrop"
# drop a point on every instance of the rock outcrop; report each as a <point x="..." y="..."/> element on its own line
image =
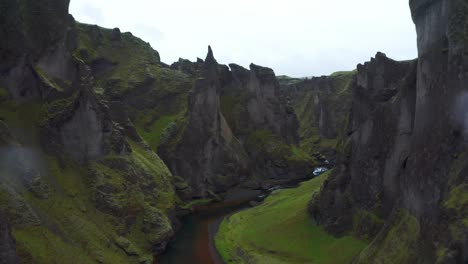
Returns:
<point x="74" y="171"/>
<point x="260" y="103"/>
<point x="204" y="151"/>
<point x="7" y="244"/>
<point x="403" y="173"/>
<point x="238" y="128"/>
<point x="322" y="105"/>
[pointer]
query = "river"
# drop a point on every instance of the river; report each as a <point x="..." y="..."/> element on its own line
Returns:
<point x="194" y="242"/>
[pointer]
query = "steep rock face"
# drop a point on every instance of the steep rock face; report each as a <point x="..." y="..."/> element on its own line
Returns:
<point x="208" y="155"/>
<point x="7" y="244"/>
<point x="379" y="127"/>
<point x="263" y="105"/>
<point x="73" y="173"/>
<point x="248" y="121"/>
<point x="141" y="93"/>
<point x="322" y="105"/>
<point x="264" y="121"/>
<point x="80" y="124"/>
<point x="404" y="170"/>
<point x="39" y="40"/>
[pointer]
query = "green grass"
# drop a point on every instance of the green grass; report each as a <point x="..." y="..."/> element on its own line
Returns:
<point x="152" y="134"/>
<point x="281" y="231"/>
<point x="297" y="154"/>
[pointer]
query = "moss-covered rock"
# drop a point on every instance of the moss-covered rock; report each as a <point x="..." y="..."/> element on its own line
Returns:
<point x="403" y="234"/>
<point x="322" y="105"/>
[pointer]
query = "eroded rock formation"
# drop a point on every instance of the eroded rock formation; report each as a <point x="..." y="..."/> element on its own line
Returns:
<point x="403" y="169"/>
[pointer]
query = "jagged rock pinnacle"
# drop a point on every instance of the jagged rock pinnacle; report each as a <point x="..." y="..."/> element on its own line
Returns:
<point x="209" y="57"/>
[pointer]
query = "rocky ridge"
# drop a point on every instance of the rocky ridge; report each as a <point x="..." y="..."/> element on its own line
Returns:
<point x="403" y="174"/>
<point x="84" y="111"/>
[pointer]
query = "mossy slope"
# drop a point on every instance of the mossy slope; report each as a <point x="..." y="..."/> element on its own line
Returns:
<point x="322" y="105"/>
<point x="281" y="231"/>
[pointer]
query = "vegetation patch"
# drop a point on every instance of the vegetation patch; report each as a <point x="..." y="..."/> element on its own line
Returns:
<point x="366" y="224"/>
<point x="3" y="94"/>
<point x="280" y="230"/>
<point x="152" y="133"/>
<point x="232" y="107"/>
<point x="48" y="81"/>
<point x="297" y="154"/>
<point x="197" y="202"/>
<point x="395" y="248"/>
<point x="58" y="110"/>
<point x="458" y="198"/>
<point x="76" y="225"/>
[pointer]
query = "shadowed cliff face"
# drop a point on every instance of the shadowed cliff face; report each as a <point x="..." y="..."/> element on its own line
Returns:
<point x="403" y="174"/>
<point x="263" y="107"/>
<point x="208" y="155"/>
<point x="38" y="41"/>
<point x="231" y="112"/>
<point x="7" y="244"/>
<point x="322" y="105"/>
<point x="74" y="173"/>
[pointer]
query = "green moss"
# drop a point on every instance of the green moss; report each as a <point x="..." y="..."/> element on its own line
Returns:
<point x="75" y="225"/>
<point x="127" y="246"/>
<point x="232" y="107"/>
<point x="366" y="224"/>
<point x="59" y="109"/>
<point x="286" y="233"/>
<point x="343" y="74"/>
<point x="173" y="135"/>
<point x="24" y="116"/>
<point x="47" y="80"/>
<point x="338" y="101"/>
<point x="152" y="133"/>
<point x="40" y="245"/>
<point x="458" y="198"/>
<point x="3" y="94"/>
<point x="457" y="167"/>
<point x="297" y="154"/>
<point x="394" y="248"/>
<point x="134" y="61"/>
<point x="73" y="230"/>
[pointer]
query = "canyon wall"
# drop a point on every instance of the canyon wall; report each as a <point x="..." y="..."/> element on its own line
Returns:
<point x="402" y="173"/>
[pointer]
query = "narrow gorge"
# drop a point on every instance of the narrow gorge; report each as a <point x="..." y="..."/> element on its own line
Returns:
<point x="109" y="155"/>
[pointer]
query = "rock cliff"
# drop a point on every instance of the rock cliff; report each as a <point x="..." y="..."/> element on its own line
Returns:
<point x="238" y="129"/>
<point x="322" y="105"/>
<point x="204" y="150"/>
<point x="75" y="177"/>
<point x="403" y="173"/>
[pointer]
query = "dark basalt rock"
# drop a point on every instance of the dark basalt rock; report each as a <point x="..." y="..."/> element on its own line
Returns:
<point x="208" y="156"/>
<point x="185" y="66"/>
<point x="7" y="244"/>
<point x="259" y="103"/>
<point x="378" y="140"/>
<point x="407" y="131"/>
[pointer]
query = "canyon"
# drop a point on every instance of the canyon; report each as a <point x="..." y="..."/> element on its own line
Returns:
<point x="104" y="148"/>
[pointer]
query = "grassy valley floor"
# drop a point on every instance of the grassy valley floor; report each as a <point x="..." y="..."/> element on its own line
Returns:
<point x="281" y="231"/>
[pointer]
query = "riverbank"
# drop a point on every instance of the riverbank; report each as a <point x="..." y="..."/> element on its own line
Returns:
<point x="280" y="230"/>
<point x="194" y="242"/>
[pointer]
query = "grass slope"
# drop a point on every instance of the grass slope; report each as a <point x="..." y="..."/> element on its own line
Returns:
<point x="281" y="231"/>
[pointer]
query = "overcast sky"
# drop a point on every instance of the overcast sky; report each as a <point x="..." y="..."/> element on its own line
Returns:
<point x="295" y="37"/>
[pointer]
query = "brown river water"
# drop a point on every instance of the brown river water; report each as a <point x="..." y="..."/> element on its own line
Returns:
<point x="194" y="242"/>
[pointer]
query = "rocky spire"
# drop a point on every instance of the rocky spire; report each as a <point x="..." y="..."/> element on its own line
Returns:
<point x="209" y="57"/>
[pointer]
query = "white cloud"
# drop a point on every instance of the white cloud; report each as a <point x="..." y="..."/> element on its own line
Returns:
<point x="295" y="37"/>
